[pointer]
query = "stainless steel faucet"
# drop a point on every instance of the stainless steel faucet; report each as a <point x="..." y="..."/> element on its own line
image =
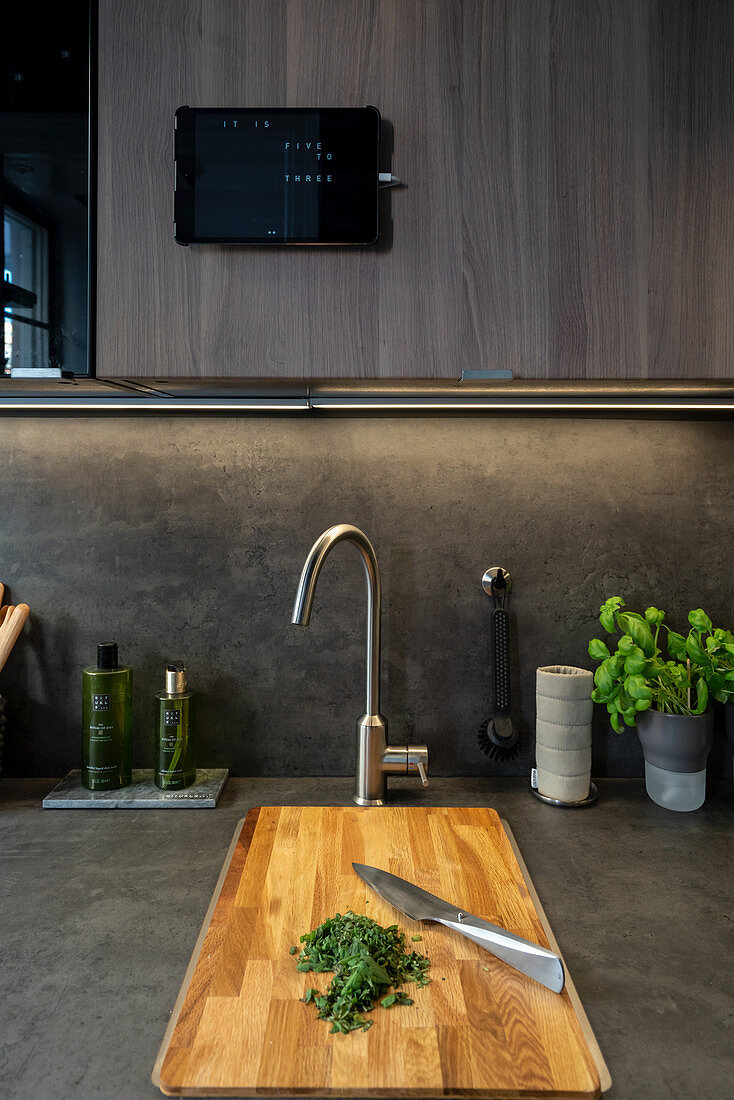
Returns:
<point x="375" y="758"/>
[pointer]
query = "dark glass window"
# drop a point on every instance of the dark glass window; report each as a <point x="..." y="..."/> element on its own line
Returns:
<point x="44" y="185"/>
<point x="25" y="276"/>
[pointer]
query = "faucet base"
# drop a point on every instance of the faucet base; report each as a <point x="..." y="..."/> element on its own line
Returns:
<point x="368" y="801"/>
<point x="376" y="760"/>
<point x="371" y="742"/>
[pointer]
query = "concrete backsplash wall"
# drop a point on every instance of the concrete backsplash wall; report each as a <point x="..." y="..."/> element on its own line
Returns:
<point x="184" y="538"/>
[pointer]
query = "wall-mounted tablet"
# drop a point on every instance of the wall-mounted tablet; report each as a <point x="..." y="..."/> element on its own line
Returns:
<point x="277" y="175"/>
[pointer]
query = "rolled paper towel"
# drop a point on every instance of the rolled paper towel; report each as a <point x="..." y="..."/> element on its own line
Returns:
<point x="563" y="732"/>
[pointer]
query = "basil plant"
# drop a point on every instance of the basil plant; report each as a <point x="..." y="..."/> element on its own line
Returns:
<point x="636" y="677"/>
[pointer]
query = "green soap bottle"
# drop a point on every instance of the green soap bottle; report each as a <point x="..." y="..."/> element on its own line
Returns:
<point x="175" y="726"/>
<point x="107" y="713"/>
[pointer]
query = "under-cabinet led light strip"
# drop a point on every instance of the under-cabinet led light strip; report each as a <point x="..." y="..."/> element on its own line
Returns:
<point x="509" y="406"/>
<point x="374" y="404"/>
<point x="113" y="404"/>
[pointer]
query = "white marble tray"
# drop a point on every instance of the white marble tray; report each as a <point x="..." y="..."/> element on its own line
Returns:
<point x="142" y="794"/>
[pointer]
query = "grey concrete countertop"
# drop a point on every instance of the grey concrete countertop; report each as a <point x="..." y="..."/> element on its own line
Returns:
<point x="99" y="913"/>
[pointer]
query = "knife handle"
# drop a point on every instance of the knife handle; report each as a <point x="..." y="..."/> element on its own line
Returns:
<point x="529" y="958"/>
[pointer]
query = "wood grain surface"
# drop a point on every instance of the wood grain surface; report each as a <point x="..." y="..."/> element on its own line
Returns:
<point x="479" y="1029"/>
<point x="567" y="210"/>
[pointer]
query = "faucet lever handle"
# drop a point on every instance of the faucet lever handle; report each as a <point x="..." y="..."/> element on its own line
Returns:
<point x="418" y="761"/>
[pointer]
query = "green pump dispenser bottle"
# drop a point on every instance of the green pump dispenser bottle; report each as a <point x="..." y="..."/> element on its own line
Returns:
<point x="107" y="691"/>
<point x="175" y="726"/>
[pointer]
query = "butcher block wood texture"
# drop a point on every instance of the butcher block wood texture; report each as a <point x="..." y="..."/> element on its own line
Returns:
<point x="567" y="210"/>
<point x="478" y="1029"/>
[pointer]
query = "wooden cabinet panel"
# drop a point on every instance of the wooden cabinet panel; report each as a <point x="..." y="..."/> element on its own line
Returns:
<point x="597" y="210"/>
<point x="691" y="197"/>
<point x="567" y="212"/>
<point x="504" y="180"/>
<point x="148" y="300"/>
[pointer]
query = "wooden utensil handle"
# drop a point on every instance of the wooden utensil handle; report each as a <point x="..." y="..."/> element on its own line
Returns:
<point x="10" y="630"/>
<point x="6" y="612"/>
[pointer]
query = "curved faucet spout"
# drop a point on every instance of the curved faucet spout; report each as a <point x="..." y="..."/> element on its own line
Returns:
<point x="346" y="532"/>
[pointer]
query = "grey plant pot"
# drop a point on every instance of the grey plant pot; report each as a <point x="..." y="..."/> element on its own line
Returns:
<point x="676" y="748"/>
<point x="676" y="742"/>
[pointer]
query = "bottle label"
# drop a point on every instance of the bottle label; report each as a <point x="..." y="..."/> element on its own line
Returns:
<point x="534" y="778"/>
<point x="101" y="702"/>
<point x="171" y="717"/>
<point x="171" y="742"/>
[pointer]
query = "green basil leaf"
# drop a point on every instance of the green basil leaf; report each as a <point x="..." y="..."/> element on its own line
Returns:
<point x="616" y="723"/>
<point x="676" y="674"/>
<point x="621" y="622"/>
<point x="635" y="663"/>
<point x="597" y="649"/>
<point x="653" y="668"/>
<point x="693" y="649"/>
<point x="613" y="604"/>
<point x="654" y="616"/>
<point x="640" y="631"/>
<point x="716" y="682"/>
<point x="607" y="612"/>
<point x="636" y="688"/>
<point x="676" y="645"/>
<point x="606" y="618"/>
<point x="699" y="619"/>
<point x="615" y="665"/>
<point x="626" y="644"/>
<point x="603" y="679"/>
<point x="702" y="695"/>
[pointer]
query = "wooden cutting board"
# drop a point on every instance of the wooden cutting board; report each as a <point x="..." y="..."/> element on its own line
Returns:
<point x="479" y="1029"/>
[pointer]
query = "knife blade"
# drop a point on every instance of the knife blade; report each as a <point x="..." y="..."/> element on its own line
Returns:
<point x="529" y="958"/>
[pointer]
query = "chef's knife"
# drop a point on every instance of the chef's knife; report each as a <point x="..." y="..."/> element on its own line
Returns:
<point x="529" y="958"/>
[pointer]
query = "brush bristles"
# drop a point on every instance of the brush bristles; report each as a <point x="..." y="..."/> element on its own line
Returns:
<point x="494" y="751"/>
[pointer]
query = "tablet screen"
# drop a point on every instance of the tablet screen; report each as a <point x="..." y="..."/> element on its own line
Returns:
<point x="277" y="176"/>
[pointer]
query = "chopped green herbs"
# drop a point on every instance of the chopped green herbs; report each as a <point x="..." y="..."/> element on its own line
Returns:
<point x="293" y="949"/>
<point x="367" y="960"/>
<point x="396" y="998"/>
<point x="416" y="938"/>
